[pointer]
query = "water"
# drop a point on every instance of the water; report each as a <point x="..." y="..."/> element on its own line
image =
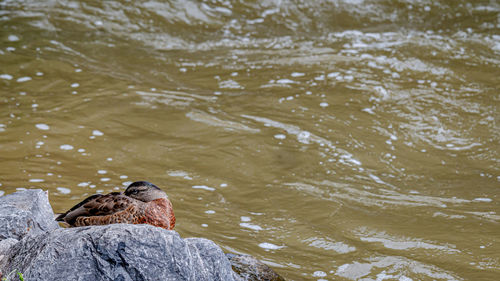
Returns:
<point x="334" y="140"/>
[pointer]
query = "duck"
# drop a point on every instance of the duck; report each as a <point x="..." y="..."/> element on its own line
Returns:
<point x="141" y="203"/>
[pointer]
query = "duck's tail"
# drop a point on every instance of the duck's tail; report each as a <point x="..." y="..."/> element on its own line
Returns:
<point x="59" y="217"/>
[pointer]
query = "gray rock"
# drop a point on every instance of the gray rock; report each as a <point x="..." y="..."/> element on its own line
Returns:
<point x="117" y="252"/>
<point x="31" y="242"/>
<point x="5" y="246"/>
<point x="251" y="269"/>
<point x="25" y="212"/>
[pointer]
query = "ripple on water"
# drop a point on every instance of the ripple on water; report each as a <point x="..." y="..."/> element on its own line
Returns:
<point x="270" y="246"/>
<point x="401" y="243"/>
<point x="321" y="243"/>
<point x="251" y="226"/>
<point x="399" y="267"/>
<point x="204" y="187"/>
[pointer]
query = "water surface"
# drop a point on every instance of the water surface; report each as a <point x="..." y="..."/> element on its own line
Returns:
<point x="334" y="140"/>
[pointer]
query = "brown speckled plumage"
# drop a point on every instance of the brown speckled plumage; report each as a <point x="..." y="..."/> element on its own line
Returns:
<point x="141" y="203"/>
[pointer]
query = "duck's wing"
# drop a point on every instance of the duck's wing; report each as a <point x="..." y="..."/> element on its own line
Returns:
<point x="97" y="205"/>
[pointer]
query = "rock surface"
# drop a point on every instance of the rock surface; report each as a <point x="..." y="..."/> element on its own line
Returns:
<point x="31" y="242"/>
<point x="117" y="252"/>
<point x="251" y="269"/>
<point x="25" y="211"/>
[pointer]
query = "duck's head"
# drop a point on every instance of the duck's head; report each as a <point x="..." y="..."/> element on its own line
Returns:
<point x="145" y="191"/>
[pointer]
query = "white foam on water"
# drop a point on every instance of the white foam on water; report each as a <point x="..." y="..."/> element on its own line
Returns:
<point x="97" y="133"/>
<point x="280" y="136"/>
<point x="36" y="180"/>
<point x="203" y="187"/>
<point x="6" y="76"/>
<point x="105" y="179"/>
<point x="245" y="219"/>
<point x="23" y="79"/>
<point x="319" y="274"/>
<point x="13" y="38"/>
<point x="320" y="78"/>
<point x="482" y="200"/>
<point x="209" y="212"/>
<point x="64" y="190"/>
<point x="376" y="179"/>
<point x="66" y="147"/>
<point x="123" y="177"/>
<point x="251" y="226"/>
<point x="182" y="174"/>
<point x="345" y="157"/>
<point x="285" y="81"/>
<point x="102" y="172"/>
<point x="323" y="104"/>
<point x="368" y="110"/>
<point x="297" y="74"/>
<point x="230" y="84"/>
<point x="83" y="184"/>
<point x="75" y="85"/>
<point x="43" y="127"/>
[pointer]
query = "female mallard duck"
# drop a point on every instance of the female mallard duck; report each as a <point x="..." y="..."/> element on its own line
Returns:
<point x="141" y="203"/>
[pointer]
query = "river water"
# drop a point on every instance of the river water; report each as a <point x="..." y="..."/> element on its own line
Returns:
<point x="334" y="140"/>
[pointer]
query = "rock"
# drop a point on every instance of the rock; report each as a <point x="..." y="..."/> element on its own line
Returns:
<point x="117" y="252"/>
<point x="5" y="246"/>
<point x="25" y="211"/>
<point x="251" y="269"/>
<point x="32" y="243"/>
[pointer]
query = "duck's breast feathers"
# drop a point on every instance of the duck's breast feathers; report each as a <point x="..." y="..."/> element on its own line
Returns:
<point x="98" y="205"/>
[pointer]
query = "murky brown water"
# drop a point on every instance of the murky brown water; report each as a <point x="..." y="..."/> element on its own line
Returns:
<point x="335" y="140"/>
